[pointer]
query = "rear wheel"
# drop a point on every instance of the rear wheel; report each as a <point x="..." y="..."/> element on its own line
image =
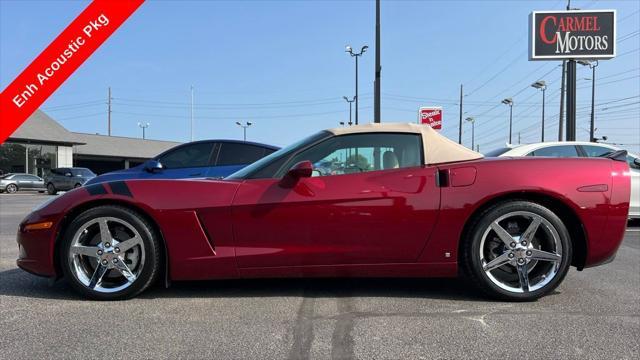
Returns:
<point x="51" y="189"/>
<point x="12" y="188"/>
<point x="110" y="253"/>
<point x="77" y="186"/>
<point x="517" y="250"/>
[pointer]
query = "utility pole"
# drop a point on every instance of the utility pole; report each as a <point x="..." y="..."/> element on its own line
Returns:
<point x="593" y="66"/>
<point x="376" y="84"/>
<point x="571" y="95"/>
<point x="460" y="122"/>
<point x="472" y="120"/>
<point x="144" y="127"/>
<point x="244" y="128"/>
<point x="518" y="137"/>
<point x="191" y="112"/>
<point x="109" y="113"/>
<point x="541" y="85"/>
<point x="561" y="120"/>
<point x="571" y="100"/>
<point x="509" y="101"/>
<point x="350" y="103"/>
<point x="356" y="55"/>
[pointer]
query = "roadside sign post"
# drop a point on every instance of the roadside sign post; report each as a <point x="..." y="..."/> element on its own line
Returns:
<point x="570" y="35"/>
<point x="431" y="116"/>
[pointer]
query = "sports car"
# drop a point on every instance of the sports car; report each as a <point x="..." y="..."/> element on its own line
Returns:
<point x="376" y="200"/>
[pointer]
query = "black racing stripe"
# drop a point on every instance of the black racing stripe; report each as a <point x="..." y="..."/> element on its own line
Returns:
<point x="96" y="189"/>
<point x="120" y="188"/>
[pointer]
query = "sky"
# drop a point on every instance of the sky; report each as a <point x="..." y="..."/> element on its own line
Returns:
<point x="282" y="66"/>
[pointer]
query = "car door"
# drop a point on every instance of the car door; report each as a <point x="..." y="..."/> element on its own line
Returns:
<point x="358" y="208"/>
<point x="233" y="156"/>
<point x="23" y="181"/>
<point x="33" y="182"/>
<point x="186" y="161"/>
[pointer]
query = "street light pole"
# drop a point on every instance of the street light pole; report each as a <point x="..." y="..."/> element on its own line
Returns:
<point x="593" y="66"/>
<point x="356" y="55"/>
<point x="244" y="128"/>
<point x="350" y="103"/>
<point x="509" y="101"/>
<point x="542" y="85"/>
<point x="143" y="126"/>
<point x="472" y="120"/>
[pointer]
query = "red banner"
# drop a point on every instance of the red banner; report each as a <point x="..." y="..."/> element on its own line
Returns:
<point x="60" y="59"/>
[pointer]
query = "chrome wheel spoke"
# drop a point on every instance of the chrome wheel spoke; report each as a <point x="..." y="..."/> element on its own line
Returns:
<point x="497" y="262"/>
<point x="123" y="246"/>
<point x="105" y="234"/>
<point x="91" y="251"/>
<point x="544" y="255"/>
<point x="124" y="270"/>
<point x="523" y="275"/>
<point x="95" y="244"/>
<point x="98" y="274"/>
<point x="532" y="248"/>
<point x="506" y="238"/>
<point x="528" y="234"/>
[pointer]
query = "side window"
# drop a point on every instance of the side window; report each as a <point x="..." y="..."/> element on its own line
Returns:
<point x="556" y="151"/>
<point x="21" y="178"/>
<point x="195" y="155"/>
<point x="596" y="151"/>
<point x="239" y="154"/>
<point x="357" y="153"/>
<point x="33" y="178"/>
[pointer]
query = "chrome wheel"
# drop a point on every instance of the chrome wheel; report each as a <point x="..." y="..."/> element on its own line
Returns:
<point x="11" y="188"/>
<point x="106" y="255"/>
<point x="521" y="252"/>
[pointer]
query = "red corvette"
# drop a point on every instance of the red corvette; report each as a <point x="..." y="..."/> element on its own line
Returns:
<point x="390" y="200"/>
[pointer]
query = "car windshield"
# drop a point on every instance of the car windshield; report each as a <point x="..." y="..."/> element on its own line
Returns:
<point x="82" y="172"/>
<point x="496" y="152"/>
<point x="5" y="176"/>
<point x="285" y="151"/>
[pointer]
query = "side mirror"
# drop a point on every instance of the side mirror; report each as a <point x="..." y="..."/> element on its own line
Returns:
<point x="636" y="162"/>
<point x="302" y="169"/>
<point x="153" y="166"/>
<point x="68" y="174"/>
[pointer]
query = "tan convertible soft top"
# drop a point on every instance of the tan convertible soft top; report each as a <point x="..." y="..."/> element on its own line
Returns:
<point x="437" y="148"/>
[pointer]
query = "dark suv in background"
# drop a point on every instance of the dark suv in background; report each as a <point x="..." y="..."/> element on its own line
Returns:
<point x="63" y="179"/>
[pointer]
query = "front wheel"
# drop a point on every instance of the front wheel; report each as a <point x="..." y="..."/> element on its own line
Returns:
<point x="12" y="188"/>
<point x="110" y="253"/>
<point x="517" y="250"/>
<point x="51" y="189"/>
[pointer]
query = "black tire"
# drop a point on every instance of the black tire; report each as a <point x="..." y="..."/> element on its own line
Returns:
<point x="149" y="270"/>
<point x="470" y="250"/>
<point x="51" y="189"/>
<point x="11" y="188"/>
<point x="77" y="186"/>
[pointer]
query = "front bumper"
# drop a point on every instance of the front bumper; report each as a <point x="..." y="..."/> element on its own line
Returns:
<point x="36" y="248"/>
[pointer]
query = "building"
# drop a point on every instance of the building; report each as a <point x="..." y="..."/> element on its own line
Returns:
<point x="41" y="144"/>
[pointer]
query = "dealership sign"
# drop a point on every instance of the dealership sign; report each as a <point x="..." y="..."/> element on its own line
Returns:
<point x="587" y="34"/>
<point x="432" y="116"/>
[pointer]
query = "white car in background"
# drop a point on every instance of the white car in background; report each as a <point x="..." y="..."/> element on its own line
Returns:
<point x="579" y="149"/>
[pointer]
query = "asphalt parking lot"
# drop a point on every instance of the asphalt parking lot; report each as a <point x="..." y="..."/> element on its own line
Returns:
<point x="593" y="314"/>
